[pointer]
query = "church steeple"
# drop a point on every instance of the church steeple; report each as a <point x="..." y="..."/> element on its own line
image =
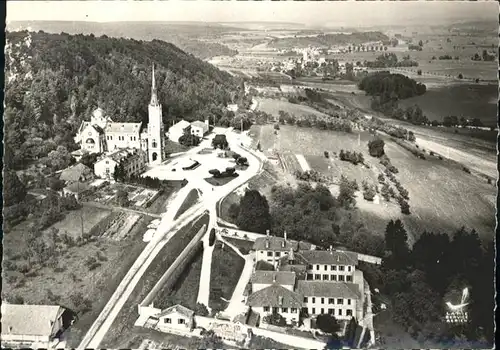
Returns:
<point x="154" y="98"/>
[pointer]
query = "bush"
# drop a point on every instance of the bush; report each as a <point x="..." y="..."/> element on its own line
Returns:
<point x="327" y="155"/>
<point x="369" y="193"/>
<point x="201" y="310"/>
<point x="467" y="170"/>
<point x="211" y="237"/>
<point x="376" y="147"/>
<point x="405" y="207"/>
<point x="431" y="153"/>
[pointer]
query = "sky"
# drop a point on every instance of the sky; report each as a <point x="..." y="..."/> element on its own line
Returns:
<point x="347" y="13"/>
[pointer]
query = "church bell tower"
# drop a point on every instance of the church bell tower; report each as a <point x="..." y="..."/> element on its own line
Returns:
<point x="156" y="130"/>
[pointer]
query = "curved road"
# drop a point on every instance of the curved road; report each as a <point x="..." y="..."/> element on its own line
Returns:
<point x="167" y="228"/>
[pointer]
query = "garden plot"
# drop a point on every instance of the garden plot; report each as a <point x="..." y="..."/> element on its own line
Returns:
<point x="88" y="217"/>
<point x="120" y="226"/>
<point x="142" y="198"/>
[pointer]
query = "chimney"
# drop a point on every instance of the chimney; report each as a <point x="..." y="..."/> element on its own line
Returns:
<point x="267" y="233"/>
<point x="284" y="234"/>
<point x="267" y="243"/>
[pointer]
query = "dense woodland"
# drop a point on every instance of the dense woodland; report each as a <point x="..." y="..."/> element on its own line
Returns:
<point x="327" y="40"/>
<point x="54" y="81"/>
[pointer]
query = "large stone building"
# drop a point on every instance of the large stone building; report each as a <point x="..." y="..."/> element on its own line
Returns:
<point x="102" y="135"/>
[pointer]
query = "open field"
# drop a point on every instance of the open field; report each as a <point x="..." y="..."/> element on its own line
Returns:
<point x="224" y="275"/>
<point x="273" y="106"/>
<point x="442" y="197"/>
<point x="124" y="322"/>
<point x="73" y="221"/>
<point x="185" y="290"/>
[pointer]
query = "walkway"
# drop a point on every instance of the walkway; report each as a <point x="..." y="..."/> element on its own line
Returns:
<point x="206" y="268"/>
<point x="237" y="305"/>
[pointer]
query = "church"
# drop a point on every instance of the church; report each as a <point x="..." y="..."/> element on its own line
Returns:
<point x="102" y="135"/>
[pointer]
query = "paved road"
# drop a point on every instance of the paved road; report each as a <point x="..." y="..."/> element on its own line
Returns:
<point x="167" y="228"/>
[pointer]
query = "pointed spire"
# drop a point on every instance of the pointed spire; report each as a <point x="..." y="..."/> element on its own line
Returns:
<point x="154" y="98"/>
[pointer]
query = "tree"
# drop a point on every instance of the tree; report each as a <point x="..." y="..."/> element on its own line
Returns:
<point x="121" y="198"/>
<point x="89" y="159"/>
<point x="14" y="190"/>
<point x="119" y="173"/>
<point x="242" y="161"/>
<point x="327" y="323"/>
<point x="220" y="141"/>
<point x="350" y="334"/>
<point x="189" y="140"/>
<point x="376" y="147"/>
<point x="211" y="237"/>
<point x="233" y="210"/>
<point x="346" y="197"/>
<point x="56" y="184"/>
<point x="405" y="207"/>
<point x="396" y="243"/>
<point x="214" y="172"/>
<point x="276" y="126"/>
<point x="254" y="215"/>
<point x="201" y="309"/>
<point x="369" y="193"/>
<point x="420" y="43"/>
<point x="460" y="76"/>
<point x="275" y="319"/>
<point x="419" y="72"/>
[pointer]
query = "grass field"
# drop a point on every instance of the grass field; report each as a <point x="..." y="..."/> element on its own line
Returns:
<point x="273" y="107"/>
<point x="224" y="275"/>
<point x="185" y="290"/>
<point x="442" y="197"/>
<point x="190" y="200"/>
<point x="72" y="222"/>
<point x="116" y="337"/>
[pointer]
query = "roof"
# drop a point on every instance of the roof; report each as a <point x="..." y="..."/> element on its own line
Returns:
<point x="120" y="154"/>
<point x="180" y="125"/>
<point x="75" y="173"/>
<point x="199" y="124"/>
<point x="77" y="187"/>
<point x="269" y="277"/>
<point x="177" y="309"/>
<point x="276" y="244"/>
<point x="275" y="296"/>
<point x="334" y="257"/>
<point x="29" y="319"/>
<point x="124" y="127"/>
<point x="328" y="289"/>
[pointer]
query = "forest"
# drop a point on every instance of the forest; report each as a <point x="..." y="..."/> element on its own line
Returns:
<point x="54" y="81"/>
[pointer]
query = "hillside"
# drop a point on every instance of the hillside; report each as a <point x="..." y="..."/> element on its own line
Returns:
<point x="54" y="81"/>
<point x="183" y="35"/>
<point x="328" y="40"/>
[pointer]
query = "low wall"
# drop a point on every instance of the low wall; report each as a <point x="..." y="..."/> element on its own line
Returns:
<point x="166" y="281"/>
<point x="370" y="259"/>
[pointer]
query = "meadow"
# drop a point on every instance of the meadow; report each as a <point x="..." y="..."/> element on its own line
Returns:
<point x="273" y="106"/>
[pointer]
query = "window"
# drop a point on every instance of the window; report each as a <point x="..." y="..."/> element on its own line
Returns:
<point x="325" y="277"/>
<point x="341" y="267"/>
<point x="348" y="301"/>
<point x="341" y="278"/>
<point x="331" y="301"/>
<point x="131" y="138"/>
<point x="348" y="278"/>
<point x="322" y="310"/>
<point x="269" y="253"/>
<point x="167" y="320"/>
<point x="334" y="267"/>
<point x="314" y="300"/>
<point x="349" y="268"/>
<point x="334" y="278"/>
<point x="317" y="267"/>
<point x="340" y="312"/>
<point x="181" y="321"/>
<point x="322" y="300"/>
<point x="309" y="267"/>
<point x="107" y="162"/>
<point x="278" y="254"/>
<point x="331" y="311"/>
<point x="284" y="309"/>
<point x="107" y="171"/>
<point x="348" y="312"/>
<point x="313" y="311"/>
<point x="111" y="137"/>
<point x="275" y="309"/>
<point x="153" y="144"/>
<point x="317" y="277"/>
<point x="266" y="308"/>
<point x="326" y="267"/>
<point x="305" y="299"/>
<point x="294" y="310"/>
<point x="310" y="276"/>
<point x="340" y="301"/>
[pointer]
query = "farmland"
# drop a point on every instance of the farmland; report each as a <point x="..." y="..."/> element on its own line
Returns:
<point x="272" y="106"/>
<point x="442" y="196"/>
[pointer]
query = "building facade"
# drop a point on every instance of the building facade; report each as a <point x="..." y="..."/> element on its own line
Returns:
<point x="175" y="319"/>
<point x="102" y="135"/>
<point x="132" y="161"/>
<point x="271" y="248"/>
<point x="199" y="128"/>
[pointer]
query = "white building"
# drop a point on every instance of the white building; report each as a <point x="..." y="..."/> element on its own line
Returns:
<point x="133" y="162"/>
<point x="199" y="128"/>
<point x="270" y="248"/>
<point x="277" y="299"/>
<point x="175" y="319"/>
<point x="102" y="135"/>
<point x="178" y="129"/>
<point x="31" y="326"/>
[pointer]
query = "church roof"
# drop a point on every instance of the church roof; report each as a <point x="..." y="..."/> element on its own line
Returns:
<point x="128" y="128"/>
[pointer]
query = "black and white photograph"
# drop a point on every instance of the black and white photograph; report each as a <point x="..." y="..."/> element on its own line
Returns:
<point x="249" y="174"/>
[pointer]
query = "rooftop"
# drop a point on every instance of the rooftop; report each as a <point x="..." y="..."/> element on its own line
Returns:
<point x="180" y="125"/>
<point x="29" y="319"/>
<point x="75" y="173"/>
<point x="177" y="309"/>
<point x="199" y="124"/>
<point x="328" y="289"/>
<point x="124" y="127"/>
<point x="275" y="296"/>
<point x="333" y="257"/>
<point x="279" y="244"/>
<point x="269" y="277"/>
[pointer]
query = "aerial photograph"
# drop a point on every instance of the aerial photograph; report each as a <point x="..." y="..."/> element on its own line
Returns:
<point x="249" y="175"/>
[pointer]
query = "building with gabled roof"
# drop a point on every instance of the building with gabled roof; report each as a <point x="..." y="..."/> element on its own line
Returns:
<point x="176" y="319"/>
<point x="272" y="248"/>
<point x="132" y="161"/>
<point x="101" y="134"/>
<point x="260" y="279"/>
<point x="78" y="172"/>
<point x="278" y="299"/>
<point x="36" y="326"/>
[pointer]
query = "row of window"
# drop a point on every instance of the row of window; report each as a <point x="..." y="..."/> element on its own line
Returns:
<point x="340" y="301"/>
<point x="293" y="310"/>
<point x="332" y="312"/>
<point x="335" y="278"/>
<point x="179" y="321"/>
<point x="121" y="138"/>
<point x="332" y="267"/>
